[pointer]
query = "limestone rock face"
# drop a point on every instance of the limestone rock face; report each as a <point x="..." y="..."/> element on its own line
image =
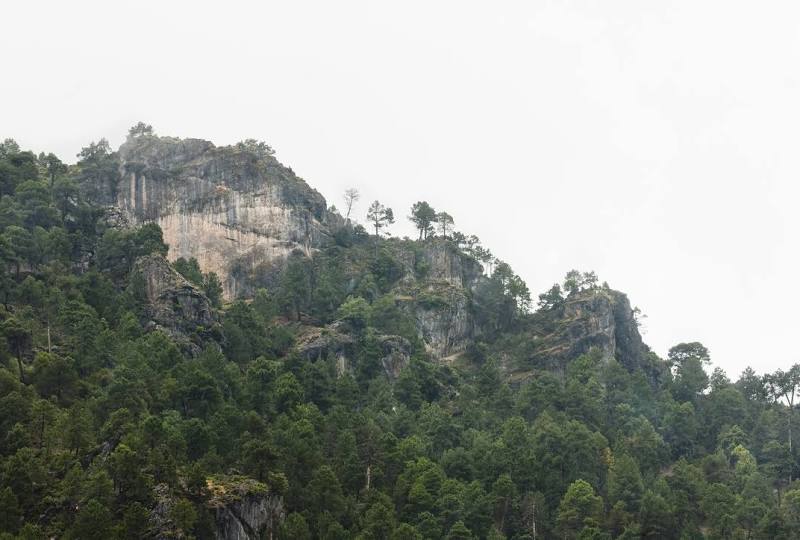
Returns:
<point x="318" y="343"/>
<point x="246" y="519"/>
<point x="241" y="213"/>
<point x="396" y="353"/>
<point x="334" y="340"/>
<point x="599" y="318"/>
<point x="235" y="209"/>
<point x="447" y="264"/>
<point x="242" y="509"/>
<point x="605" y="320"/>
<point x="440" y="288"/>
<point x="174" y="304"/>
<point x="445" y="323"/>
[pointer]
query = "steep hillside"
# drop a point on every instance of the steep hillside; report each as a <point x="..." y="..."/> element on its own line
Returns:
<point x="597" y="318"/>
<point x="193" y="346"/>
<point x="240" y="214"/>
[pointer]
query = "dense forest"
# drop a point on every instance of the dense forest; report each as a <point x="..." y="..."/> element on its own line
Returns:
<point x="115" y="427"/>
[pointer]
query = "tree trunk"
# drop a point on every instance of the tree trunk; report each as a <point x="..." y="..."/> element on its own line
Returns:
<point x="789" y="415"/>
<point x="21" y="371"/>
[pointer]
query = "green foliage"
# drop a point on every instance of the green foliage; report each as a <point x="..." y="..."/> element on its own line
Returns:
<point x="625" y="483"/>
<point x="140" y="129"/>
<point x="355" y="312"/>
<point x="101" y="414"/>
<point x="295" y="527"/>
<point x="209" y="283"/>
<point x="579" y="508"/>
<point x="575" y="282"/>
<point x="502" y="300"/>
<point x="379" y="216"/>
<point x="423" y="216"/>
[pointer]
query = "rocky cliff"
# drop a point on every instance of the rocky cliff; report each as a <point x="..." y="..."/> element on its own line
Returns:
<point x="240" y="213"/>
<point x="241" y="508"/>
<point x="433" y="288"/>
<point x="334" y="341"/>
<point x="235" y="209"/>
<point x="436" y="288"/>
<point x="598" y="318"/>
<point x="174" y="305"/>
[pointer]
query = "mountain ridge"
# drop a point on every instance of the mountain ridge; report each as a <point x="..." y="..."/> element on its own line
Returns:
<point x="241" y="214"/>
<point x="354" y="385"/>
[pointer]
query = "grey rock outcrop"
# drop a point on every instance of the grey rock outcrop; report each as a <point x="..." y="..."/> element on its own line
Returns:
<point x="396" y="353"/>
<point x="320" y="343"/>
<point x="604" y="319"/>
<point x="315" y="344"/>
<point x="241" y="213"/>
<point x="241" y="508"/>
<point x="444" y="320"/>
<point x="174" y="305"/>
<point x="599" y="319"/>
<point x="437" y="289"/>
<point x="244" y="509"/>
<point x="235" y="209"/>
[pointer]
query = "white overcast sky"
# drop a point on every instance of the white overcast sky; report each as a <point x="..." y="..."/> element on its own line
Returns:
<point x="653" y="142"/>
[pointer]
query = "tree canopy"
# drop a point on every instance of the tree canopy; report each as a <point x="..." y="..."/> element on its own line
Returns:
<point x="320" y="390"/>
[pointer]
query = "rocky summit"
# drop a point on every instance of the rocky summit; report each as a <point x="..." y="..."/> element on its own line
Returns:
<point x="235" y="209"/>
<point x="240" y="213"/>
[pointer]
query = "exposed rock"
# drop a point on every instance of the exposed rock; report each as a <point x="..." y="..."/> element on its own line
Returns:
<point x="242" y="509"/>
<point x="241" y="213"/>
<point x="396" y="352"/>
<point x="321" y="343"/>
<point x="599" y="318"/>
<point x="443" y="319"/>
<point x="160" y="525"/>
<point x="175" y="305"/>
<point x="437" y="289"/>
<point x="238" y="211"/>
<point x="445" y="263"/>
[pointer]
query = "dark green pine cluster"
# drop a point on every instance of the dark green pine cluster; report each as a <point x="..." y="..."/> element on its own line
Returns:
<point x="104" y="417"/>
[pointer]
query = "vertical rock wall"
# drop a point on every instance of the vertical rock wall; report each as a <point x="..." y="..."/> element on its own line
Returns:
<point x="237" y="211"/>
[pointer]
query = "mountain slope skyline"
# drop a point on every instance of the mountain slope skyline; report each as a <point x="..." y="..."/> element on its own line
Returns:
<point x="660" y="330"/>
<point x="667" y="165"/>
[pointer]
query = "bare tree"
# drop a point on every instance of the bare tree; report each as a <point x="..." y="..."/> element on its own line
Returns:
<point x="351" y="196"/>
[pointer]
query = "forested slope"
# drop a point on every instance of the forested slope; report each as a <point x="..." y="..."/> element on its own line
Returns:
<point x="359" y="386"/>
